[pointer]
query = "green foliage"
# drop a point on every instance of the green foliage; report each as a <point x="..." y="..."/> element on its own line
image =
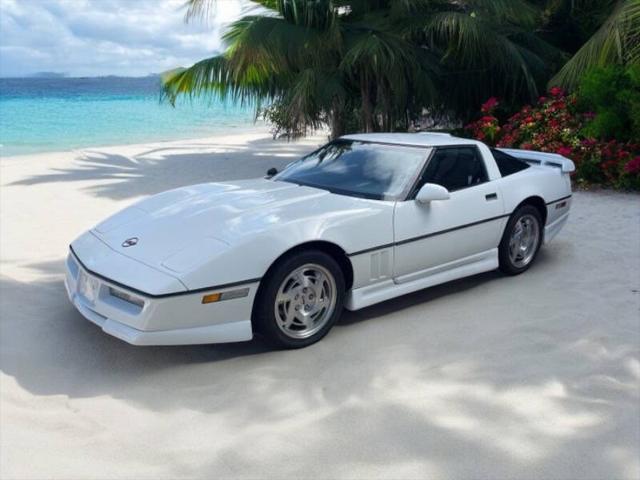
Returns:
<point x="613" y="95"/>
<point x="616" y="42"/>
<point x="377" y="65"/>
<point x="381" y="61"/>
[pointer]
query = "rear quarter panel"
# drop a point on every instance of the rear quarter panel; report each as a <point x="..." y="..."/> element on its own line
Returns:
<point x="548" y="183"/>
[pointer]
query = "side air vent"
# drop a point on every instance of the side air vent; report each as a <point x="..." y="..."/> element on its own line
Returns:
<point x="381" y="265"/>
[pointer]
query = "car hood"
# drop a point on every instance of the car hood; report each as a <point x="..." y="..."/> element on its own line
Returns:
<point x="170" y="230"/>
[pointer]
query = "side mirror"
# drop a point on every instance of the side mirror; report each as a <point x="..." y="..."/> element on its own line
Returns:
<point x="430" y="192"/>
<point x="271" y="172"/>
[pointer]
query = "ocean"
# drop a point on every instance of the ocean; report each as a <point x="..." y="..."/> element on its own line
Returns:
<point x="53" y="114"/>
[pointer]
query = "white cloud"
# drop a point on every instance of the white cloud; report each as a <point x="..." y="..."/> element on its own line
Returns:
<point x="106" y="37"/>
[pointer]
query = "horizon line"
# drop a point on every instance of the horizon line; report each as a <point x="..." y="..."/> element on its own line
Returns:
<point x="53" y="76"/>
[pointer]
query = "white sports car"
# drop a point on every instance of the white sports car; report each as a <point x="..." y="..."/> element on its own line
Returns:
<point x="361" y="220"/>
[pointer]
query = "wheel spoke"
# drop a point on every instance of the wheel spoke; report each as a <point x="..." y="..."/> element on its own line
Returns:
<point x="284" y="297"/>
<point x="290" y="316"/>
<point x="303" y="280"/>
<point x="307" y="319"/>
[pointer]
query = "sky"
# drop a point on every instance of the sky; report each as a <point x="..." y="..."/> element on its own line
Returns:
<point x="106" y="37"/>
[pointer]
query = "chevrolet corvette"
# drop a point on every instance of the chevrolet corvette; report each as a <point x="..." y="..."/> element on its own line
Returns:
<point x="361" y="220"/>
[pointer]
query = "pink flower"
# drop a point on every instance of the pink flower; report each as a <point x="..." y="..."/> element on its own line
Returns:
<point x="633" y="166"/>
<point x="556" y="92"/>
<point x="564" y="151"/>
<point x="489" y="105"/>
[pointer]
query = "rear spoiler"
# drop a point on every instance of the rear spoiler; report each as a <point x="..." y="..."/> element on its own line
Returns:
<point x="542" y="159"/>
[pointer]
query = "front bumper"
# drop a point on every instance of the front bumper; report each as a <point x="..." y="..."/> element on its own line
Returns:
<point x="180" y="319"/>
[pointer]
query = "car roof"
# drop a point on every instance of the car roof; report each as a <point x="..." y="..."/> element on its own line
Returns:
<point x="422" y="139"/>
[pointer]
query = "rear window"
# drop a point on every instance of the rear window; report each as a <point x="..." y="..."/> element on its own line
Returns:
<point x="507" y="164"/>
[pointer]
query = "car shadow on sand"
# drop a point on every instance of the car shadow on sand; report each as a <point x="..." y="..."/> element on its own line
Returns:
<point x="51" y="349"/>
<point x="413" y="382"/>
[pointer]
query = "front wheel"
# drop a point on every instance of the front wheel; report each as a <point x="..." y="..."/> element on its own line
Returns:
<point x="521" y="240"/>
<point x="301" y="299"/>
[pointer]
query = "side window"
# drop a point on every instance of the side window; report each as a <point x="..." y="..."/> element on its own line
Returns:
<point x="507" y="164"/>
<point x="455" y="168"/>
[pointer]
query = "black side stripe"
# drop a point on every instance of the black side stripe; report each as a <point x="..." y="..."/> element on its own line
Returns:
<point x="422" y="237"/>
<point x="441" y="232"/>
<point x="448" y="230"/>
<point x="162" y="295"/>
<point x="559" y="200"/>
<point x="372" y="249"/>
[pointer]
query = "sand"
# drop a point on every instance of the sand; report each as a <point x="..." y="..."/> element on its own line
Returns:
<point x="535" y="376"/>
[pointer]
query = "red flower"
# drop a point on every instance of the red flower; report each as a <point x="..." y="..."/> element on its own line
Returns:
<point x="564" y="151"/>
<point x="554" y="125"/>
<point x="489" y="105"/>
<point x="633" y="166"/>
<point x="556" y="92"/>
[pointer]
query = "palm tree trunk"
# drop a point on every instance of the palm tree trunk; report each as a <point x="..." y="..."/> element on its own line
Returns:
<point x="336" y="119"/>
<point x="387" y="114"/>
<point x="367" y="107"/>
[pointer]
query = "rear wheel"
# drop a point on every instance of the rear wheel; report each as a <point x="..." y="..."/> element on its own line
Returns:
<point x="301" y="299"/>
<point x="521" y="240"/>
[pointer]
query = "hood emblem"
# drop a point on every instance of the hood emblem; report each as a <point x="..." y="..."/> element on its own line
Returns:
<point x="130" y="242"/>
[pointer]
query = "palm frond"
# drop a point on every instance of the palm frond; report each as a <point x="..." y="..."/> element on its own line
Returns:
<point x="374" y="50"/>
<point x="519" y="12"/>
<point x="616" y="42"/>
<point x="474" y="47"/>
<point x="214" y="77"/>
<point x="204" y="9"/>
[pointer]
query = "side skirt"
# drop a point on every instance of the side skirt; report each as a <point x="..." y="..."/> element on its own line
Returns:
<point x="379" y="292"/>
<point x="551" y="230"/>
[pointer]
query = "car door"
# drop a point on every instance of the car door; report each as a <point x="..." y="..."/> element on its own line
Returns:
<point x="454" y="231"/>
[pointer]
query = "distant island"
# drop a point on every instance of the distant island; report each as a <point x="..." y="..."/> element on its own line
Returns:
<point x="47" y="75"/>
<point x="71" y="76"/>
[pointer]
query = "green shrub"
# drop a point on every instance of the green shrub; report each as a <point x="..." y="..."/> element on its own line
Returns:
<point x="612" y="94"/>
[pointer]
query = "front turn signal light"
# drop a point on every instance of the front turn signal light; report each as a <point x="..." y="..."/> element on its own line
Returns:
<point x="228" y="295"/>
<point x="211" y="298"/>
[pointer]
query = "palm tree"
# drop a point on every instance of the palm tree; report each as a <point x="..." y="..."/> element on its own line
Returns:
<point x="380" y="62"/>
<point x="616" y="42"/>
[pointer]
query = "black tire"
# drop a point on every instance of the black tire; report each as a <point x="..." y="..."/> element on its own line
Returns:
<point x="264" y="312"/>
<point x="507" y="265"/>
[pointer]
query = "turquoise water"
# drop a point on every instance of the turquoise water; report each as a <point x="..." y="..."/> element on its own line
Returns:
<point x="43" y="115"/>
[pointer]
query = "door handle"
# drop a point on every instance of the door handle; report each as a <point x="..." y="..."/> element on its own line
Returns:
<point x="491" y="196"/>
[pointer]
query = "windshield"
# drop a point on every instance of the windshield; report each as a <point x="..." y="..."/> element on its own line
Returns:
<point x="369" y="170"/>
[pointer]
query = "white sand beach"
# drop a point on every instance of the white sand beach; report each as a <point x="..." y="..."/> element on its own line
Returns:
<point x="535" y="376"/>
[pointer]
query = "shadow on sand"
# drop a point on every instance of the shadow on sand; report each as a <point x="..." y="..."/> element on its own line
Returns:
<point x="119" y="177"/>
<point x="429" y="387"/>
